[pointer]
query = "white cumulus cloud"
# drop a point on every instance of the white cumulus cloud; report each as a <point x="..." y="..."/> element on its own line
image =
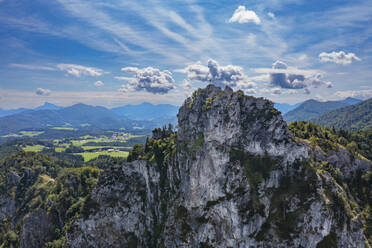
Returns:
<point x="241" y="15"/>
<point x="80" y="70"/>
<point x="230" y="75"/>
<point x="340" y="57"/>
<point x="283" y="76"/>
<point x="42" y="92"/>
<point x="99" y="84"/>
<point x="148" y="79"/>
<point x="278" y="91"/>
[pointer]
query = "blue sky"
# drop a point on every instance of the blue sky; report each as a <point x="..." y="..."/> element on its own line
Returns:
<point x="117" y="52"/>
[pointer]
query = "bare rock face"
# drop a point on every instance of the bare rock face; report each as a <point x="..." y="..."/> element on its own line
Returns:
<point x="7" y="206"/>
<point x="37" y="229"/>
<point x="7" y="203"/>
<point x="237" y="179"/>
<point x="123" y="208"/>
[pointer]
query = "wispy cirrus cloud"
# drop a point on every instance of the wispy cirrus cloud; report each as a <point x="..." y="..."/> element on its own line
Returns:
<point x="126" y="34"/>
<point x="70" y="69"/>
<point x="80" y="70"/>
<point x="33" y="67"/>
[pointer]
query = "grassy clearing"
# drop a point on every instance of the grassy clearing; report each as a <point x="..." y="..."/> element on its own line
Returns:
<point x="34" y="148"/>
<point x="92" y="155"/>
<point x="84" y="141"/>
<point x="121" y="137"/>
<point x="64" y="128"/>
<point x="60" y="149"/>
<point x="31" y="133"/>
<point x="24" y="134"/>
<point x="87" y="137"/>
<point x="46" y="178"/>
<point x="87" y="148"/>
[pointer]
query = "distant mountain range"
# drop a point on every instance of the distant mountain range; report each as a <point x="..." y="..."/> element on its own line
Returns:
<point x="143" y="111"/>
<point x="353" y="117"/>
<point x="48" y="106"/>
<point x="75" y="116"/>
<point x="6" y="112"/>
<point x="310" y="109"/>
<point x="285" y="107"/>
<point x="45" y="106"/>
<point x="80" y="115"/>
<point x="145" y="115"/>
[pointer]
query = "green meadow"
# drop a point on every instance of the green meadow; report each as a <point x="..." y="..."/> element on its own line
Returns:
<point x="34" y="148"/>
<point x="24" y="134"/>
<point x="92" y="155"/>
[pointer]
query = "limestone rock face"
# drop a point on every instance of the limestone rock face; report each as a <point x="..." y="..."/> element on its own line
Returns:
<point x="237" y="179"/>
<point x="123" y="212"/>
<point x="7" y="203"/>
<point x="7" y="206"/>
<point x="37" y="228"/>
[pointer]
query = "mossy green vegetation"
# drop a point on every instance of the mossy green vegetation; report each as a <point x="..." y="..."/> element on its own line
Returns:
<point x="198" y="142"/>
<point x="256" y="168"/>
<point x="329" y="241"/>
<point x="208" y="103"/>
<point x="159" y="148"/>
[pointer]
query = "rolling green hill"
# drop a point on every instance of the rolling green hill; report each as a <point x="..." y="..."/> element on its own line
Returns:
<point x="353" y="117"/>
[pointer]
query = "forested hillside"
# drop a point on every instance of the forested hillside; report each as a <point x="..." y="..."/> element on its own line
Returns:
<point x="311" y="109"/>
<point x="353" y="117"/>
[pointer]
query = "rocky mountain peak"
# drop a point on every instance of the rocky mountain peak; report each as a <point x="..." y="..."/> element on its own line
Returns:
<point x="232" y="119"/>
<point x="232" y="176"/>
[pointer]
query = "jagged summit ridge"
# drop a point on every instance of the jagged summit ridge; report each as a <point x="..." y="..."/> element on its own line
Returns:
<point x="233" y="119"/>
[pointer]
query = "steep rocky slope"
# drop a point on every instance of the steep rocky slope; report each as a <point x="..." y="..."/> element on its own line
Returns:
<point x="232" y="176"/>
